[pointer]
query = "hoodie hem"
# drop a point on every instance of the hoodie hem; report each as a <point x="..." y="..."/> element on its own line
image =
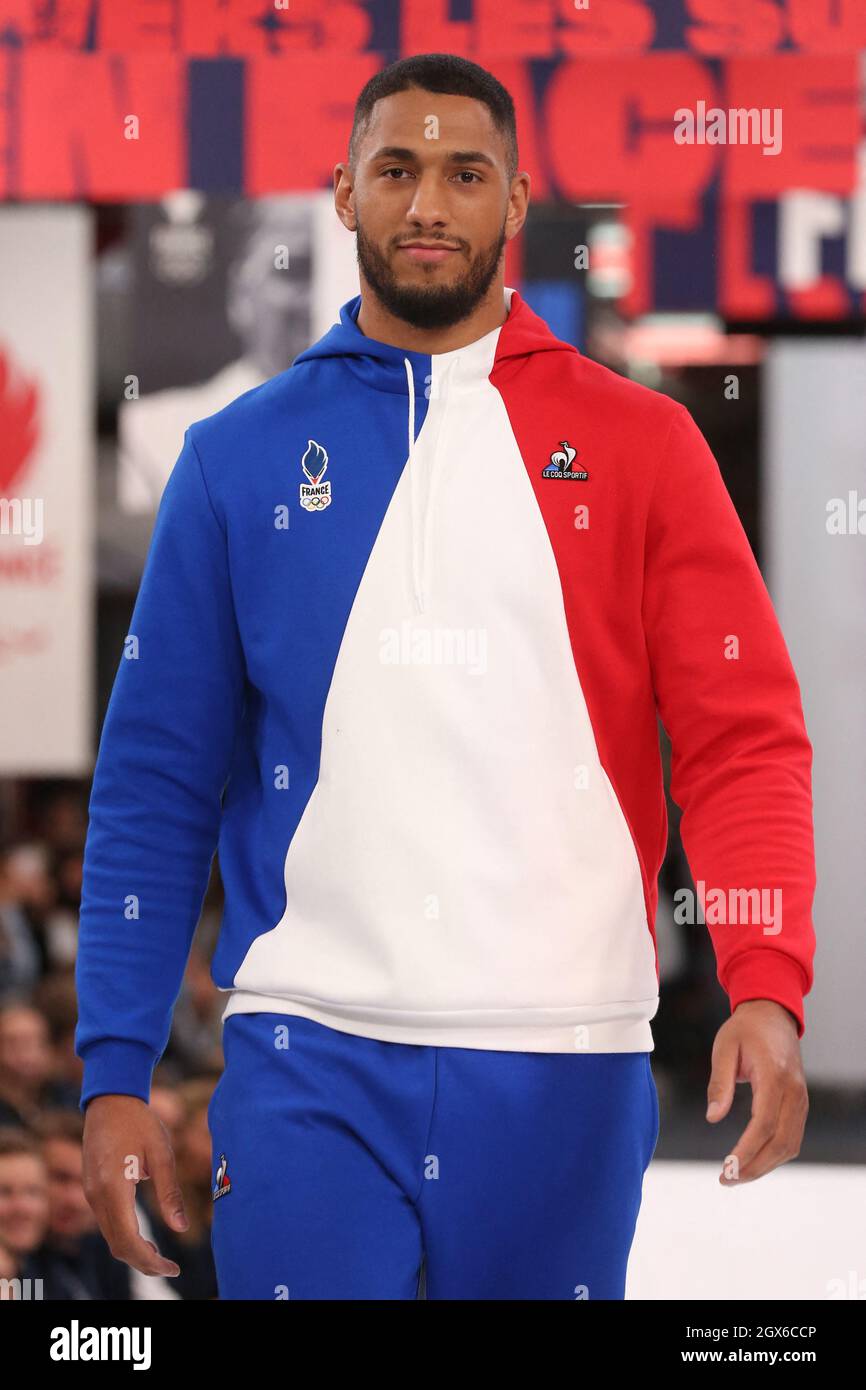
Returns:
<point x="587" y="1028"/>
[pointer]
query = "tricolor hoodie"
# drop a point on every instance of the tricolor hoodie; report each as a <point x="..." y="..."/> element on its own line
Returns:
<point x="405" y="630"/>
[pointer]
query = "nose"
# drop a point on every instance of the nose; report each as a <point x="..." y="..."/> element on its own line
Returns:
<point x="427" y="208"/>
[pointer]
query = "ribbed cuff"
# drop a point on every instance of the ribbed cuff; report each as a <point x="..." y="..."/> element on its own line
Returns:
<point x="767" y="973"/>
<point x="116" y="1066"/>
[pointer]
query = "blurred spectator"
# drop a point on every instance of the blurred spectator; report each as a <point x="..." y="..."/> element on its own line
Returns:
<point x="61" y="923"/>
<point x="25" y="896"/>
<point x="27" y="1081"/>
<point x="57" y="1000"/>
<point x="196" y="1029"/>
<point x="8" y="1267"/>
<point x="47" y="1229"/>
<point x="72" y="1259"/>
<point x="167" y="1104"/>
<point x="62" y="816"/>
<point x="23" y="1198"/>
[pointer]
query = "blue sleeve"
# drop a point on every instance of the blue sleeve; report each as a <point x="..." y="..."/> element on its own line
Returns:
<point x="155" y="805"/>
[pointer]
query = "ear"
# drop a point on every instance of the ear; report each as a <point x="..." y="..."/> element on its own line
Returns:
<point x="518" y="204"/>
<point x="344" y="196"/>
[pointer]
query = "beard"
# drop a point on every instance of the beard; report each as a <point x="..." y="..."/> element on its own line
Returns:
<point x="433" y="306"/>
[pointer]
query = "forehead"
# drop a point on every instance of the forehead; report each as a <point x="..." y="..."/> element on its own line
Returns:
<point x="404" y="117"/>
<point x="20" y="1023"/>
<point x="21" y="1168"/>
<point x="62" y="1149"/>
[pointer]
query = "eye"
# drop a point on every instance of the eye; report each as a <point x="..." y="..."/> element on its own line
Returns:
<point x="395" y="170"/>
<point x="471" y="173"/>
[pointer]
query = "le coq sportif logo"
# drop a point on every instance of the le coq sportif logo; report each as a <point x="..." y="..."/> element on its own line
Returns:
<point x="561" y="465"/>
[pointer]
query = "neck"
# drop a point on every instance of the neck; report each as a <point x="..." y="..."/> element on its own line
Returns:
<point x="375" y="321"/>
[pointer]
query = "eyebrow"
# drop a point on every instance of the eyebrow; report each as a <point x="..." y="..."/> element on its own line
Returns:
<point x="454" y="157"/>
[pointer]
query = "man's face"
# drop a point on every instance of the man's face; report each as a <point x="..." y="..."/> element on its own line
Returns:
<point x="23" y="1202"/>
<point x="69" y="1211"/>
<point x="431" y="173"/>
<point x="25" y="1049"/>
<point x="269" y="306"/>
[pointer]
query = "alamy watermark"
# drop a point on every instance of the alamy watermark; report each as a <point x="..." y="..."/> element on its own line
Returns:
<point x="411" y="645"/>
<point x="21" y="1290"/>
<point x="731" y="906"/>
<point x="739" y="125"/>
<point x="77" y="1343"/>
<point x="23" y="516"/>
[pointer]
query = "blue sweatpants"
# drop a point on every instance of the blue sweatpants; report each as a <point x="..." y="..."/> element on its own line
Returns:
<point x="341" y="1162"/>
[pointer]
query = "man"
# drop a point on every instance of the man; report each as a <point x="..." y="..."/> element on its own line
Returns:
<point x="27" y="1064"/>
<point x="24" y="1206"/>
<point x="269" y="310"/>
<point x="410" y="676"/>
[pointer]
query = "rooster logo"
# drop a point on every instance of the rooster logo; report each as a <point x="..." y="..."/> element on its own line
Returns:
<point x="563" y="458"/>
<point x="315" y="495"/>
<point x="223" y="1181"/>
<point x="560" y="464"/>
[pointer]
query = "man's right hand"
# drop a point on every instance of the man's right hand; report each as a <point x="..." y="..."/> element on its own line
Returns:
<point x="125" y="1142"/>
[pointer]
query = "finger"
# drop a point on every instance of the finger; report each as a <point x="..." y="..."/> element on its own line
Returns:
<point x="113" y="1203"/>
<point x="126" y="1242"/>
<point x="767" y="1095"/>
<point x="723" y="1076"/>
<point x="161" y="1165"/>
<point x="784" y="1143"/>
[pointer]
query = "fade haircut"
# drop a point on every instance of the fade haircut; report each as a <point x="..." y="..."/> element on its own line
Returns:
<point x="449" y="75"/>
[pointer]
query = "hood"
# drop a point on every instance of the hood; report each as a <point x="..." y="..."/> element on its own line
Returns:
<point x="383" y="367"/>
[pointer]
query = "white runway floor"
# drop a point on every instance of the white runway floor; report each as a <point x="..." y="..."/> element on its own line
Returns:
<point x="798" y="1232"/>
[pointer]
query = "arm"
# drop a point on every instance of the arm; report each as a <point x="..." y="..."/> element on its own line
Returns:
<point x="155" y="804"/>
<point x="155" y="808"/>
<point x="741" y="762"/>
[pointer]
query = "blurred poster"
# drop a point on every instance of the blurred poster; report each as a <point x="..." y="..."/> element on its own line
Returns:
<point x="814" y="509"/>
<point x="224" y="295"/>
<point x="46" y="491"/>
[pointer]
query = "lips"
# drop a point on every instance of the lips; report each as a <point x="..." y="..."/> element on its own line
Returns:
<point x="432" y="252"/>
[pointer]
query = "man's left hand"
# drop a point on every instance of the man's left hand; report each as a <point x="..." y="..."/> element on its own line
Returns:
<point x="759" y="1044"/>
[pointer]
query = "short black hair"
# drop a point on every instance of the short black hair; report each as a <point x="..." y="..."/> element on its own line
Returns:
<point x="445" y="73"/>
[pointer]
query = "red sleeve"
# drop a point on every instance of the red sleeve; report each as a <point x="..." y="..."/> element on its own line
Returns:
<point x="727" y="694"/>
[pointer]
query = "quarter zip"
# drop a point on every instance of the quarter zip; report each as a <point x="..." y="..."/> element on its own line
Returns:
<point x="421" y="529"/>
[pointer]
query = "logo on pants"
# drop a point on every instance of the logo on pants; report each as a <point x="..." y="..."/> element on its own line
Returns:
<point x="223" y="1182"/>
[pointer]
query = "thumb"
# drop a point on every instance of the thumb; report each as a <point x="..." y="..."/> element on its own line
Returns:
<point x="160" y="1160"/>
<point x="723" y="1079"/>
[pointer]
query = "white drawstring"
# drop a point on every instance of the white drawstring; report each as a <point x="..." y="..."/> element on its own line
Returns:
<point x="421" y="547"/>
<point x="416" y="579"/>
